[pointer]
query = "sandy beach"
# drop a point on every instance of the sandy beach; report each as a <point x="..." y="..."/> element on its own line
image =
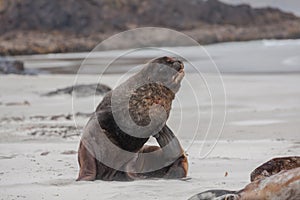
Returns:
<point x="233" y="65"/>
<point x="39" y="139"/>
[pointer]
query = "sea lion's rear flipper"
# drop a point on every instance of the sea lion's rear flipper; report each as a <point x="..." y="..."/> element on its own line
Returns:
<point x="87" y="163"/>
<point x="216" y="195"/>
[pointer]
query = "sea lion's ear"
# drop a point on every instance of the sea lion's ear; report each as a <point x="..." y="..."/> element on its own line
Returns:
<point x="164" y="58"/>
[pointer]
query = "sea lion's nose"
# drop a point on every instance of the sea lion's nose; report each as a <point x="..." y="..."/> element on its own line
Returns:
<point x="178" y="65"/>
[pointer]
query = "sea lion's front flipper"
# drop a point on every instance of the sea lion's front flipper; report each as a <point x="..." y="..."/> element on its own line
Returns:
<point x="169" y="142"/>
<point x="172" y="150"/>
<point x="216" y="195"/>
<point x="87" y="163"/>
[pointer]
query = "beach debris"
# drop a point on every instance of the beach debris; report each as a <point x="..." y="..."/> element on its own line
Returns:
<point x="69" y="152"/>
<point x="11" y="119"/>
<point x="56" y="117"/>
<point x="52" y="117"/>
<point x="82" y="114"/>
<point x="63" y="131"/>
<point x="45" y="153"/>
<point x="24" y="103"/>
<point x="45" y="117"/>
<point x="7" y="157"/>
<point x="81" y="90"/>
<point x="226" y="174"/>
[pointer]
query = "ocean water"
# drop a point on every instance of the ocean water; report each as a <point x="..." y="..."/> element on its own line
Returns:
<point x="261" y="56"/>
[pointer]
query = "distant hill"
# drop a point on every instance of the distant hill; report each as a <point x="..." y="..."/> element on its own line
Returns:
<point x="83" y="18"/>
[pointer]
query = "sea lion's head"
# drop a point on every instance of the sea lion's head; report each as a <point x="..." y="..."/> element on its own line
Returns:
<point x="165" y="70"/>
<point x="142" y="104"/>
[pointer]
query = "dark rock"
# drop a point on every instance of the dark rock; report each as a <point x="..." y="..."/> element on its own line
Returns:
<point x="81" y="90"/>
<point x="45" y="153"/>
<point x="11" y="66"/>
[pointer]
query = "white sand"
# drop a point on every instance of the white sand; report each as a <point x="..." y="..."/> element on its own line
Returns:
<point x="263" y="117"/>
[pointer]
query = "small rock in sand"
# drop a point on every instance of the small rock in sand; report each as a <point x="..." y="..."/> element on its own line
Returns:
<point x="45" y="153"/>
<point x="69" y="152"/>
<point x="24" y="103"/>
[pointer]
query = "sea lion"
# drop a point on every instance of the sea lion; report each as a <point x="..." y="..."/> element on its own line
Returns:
<point x="282" y="186"/>
<point x="277" y="179"/>
<point x="113" y="147"/>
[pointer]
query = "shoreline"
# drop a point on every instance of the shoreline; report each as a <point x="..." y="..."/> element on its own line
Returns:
<point x="236" y="58"/>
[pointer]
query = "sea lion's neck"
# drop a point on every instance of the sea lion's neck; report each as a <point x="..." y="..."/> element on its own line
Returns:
<point x="116" y="135"/>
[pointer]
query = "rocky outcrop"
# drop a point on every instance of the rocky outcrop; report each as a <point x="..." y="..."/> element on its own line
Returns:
<point x="30" y="26"/>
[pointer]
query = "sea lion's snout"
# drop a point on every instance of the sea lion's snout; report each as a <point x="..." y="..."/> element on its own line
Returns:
<point x="165" y="70"/>
<point x="178" y="65"/>
<point x="174" y="63"/>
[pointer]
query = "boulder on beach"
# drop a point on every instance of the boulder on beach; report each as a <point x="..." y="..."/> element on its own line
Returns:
<point x="11" y="66"/>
